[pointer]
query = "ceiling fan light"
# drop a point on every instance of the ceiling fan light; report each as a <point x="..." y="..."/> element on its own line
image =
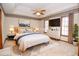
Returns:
<point x="38" y="14"/>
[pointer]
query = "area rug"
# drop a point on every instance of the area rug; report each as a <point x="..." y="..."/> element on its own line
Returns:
<point x="53" y="48"/>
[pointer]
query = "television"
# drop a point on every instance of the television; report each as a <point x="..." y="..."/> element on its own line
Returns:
<point x="54" y="22"/>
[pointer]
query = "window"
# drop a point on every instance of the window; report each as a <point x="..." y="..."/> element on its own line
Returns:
<point x="46" y="25"/>
<point x="65" y="23"/>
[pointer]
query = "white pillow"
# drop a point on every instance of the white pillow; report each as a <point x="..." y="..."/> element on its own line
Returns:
<point x="29" y="29"/>
<point x="22" y="30"/>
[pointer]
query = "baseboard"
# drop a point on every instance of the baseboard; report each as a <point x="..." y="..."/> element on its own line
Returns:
<point x="55" y="39"/>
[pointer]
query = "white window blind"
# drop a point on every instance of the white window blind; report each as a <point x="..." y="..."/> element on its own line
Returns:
<point x="65" y="23"/>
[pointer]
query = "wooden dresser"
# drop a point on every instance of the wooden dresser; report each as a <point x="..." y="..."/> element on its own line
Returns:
<point x="1" y="30"/>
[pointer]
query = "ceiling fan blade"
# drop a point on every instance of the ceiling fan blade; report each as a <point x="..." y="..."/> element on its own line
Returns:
<point x="43" y="10"/>
<point x="34" y="13"/>
<point x="42" y="13"/>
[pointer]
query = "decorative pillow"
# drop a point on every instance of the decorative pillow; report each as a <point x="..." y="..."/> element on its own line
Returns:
<point x="22" y="30"/>
<point x="16" y="30"/>
<point x="30" y="29"/>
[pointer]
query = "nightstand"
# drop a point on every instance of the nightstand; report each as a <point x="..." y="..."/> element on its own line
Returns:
<point x="9" y="43"/>
<point x="10" y="37"/>
<point x="10" y="40"/>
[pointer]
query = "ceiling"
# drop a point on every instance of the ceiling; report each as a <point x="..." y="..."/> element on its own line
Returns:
<point x="26" y="9"/>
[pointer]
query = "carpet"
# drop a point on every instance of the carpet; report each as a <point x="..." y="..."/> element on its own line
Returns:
<point x="53" y="48"/>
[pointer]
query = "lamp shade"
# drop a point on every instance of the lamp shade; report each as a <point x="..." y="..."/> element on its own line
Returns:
<point x="38" y="14"/>
<point x="11" y="29"/>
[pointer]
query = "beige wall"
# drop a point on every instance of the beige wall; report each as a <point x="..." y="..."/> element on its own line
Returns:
<point x="12" y="21"/>
<point x="42" y="25"/>
<point x="3" y="28"/>
<point x="76" y="19"/>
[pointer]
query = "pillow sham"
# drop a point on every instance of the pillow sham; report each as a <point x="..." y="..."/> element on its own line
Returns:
<point x="22" y="30"/>
<point x="30" y="29"/>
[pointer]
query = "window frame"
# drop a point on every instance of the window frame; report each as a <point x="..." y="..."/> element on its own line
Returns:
<point x="62" y="26"/>
<point x="45" y="28"/>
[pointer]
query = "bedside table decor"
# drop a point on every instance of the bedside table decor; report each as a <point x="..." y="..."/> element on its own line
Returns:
<point x="11" y="29"/>
<point x="10" y="37"/>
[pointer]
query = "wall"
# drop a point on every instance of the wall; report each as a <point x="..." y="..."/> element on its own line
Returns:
<point x="12" y="21"/>
<point x="76" y="19"/>
<point x="42" y="25"/>
<point x="64" y="38"/>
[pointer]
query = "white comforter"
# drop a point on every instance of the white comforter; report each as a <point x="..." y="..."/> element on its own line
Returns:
<point x="31" y="40"/>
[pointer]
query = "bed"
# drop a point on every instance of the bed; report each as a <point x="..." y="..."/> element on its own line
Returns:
<point x="29" y="39"/>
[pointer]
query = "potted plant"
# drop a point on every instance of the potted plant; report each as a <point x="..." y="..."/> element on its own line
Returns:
<point x="75" y="34"/>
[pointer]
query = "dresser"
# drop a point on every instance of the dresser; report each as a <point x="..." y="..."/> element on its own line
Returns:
<point x="0" y="29"/>
<point x="54" y="32"/>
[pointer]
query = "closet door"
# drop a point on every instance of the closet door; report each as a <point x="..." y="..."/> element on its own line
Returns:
<point x="0" y="31"/>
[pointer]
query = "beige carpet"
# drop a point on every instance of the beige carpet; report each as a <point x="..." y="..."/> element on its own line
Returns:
<point x="53" y="48"/>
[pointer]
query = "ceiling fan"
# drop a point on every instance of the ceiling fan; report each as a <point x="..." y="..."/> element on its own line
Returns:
<point x="39" y="12"/>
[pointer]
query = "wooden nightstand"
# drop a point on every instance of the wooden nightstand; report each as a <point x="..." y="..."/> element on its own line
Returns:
<point x="9" y="43"/>
<point x="10" y="37"/>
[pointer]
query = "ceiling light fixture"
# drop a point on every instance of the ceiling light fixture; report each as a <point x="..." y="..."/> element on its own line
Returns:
<point x="39" y="12"/>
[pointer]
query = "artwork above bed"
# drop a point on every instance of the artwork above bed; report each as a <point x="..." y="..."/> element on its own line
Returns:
<point x="24" y="22"/>
<point x="24" y="25"/>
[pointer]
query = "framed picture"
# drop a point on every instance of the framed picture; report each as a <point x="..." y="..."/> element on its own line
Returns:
<point x="24" y="22"/>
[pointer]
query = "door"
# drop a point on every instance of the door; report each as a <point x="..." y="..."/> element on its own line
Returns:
<point x="0" y="31"/>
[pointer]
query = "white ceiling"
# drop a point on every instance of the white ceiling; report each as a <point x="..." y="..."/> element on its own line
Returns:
<point x="26" y="9"/>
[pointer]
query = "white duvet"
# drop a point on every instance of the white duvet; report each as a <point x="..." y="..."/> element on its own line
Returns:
<point x="31" y="40"/>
